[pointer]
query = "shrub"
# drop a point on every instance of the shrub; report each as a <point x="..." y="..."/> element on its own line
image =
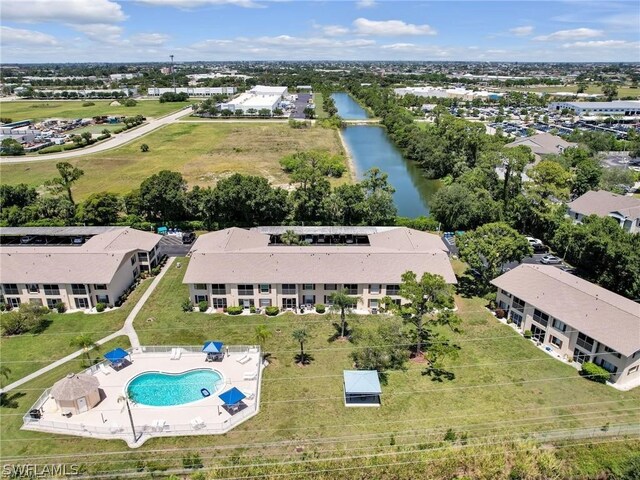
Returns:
<point x="234" y="310"/>
<point x="320" y="308"/>
<point x="272" y="311"/>
<point x="104" y="136"/>
<point x="500" y="313"/>
<point x="61" y="307"/>
<point x="252" y="309"/>
<point x="187" y="306"/>
<point x="594" y="372"/>
<point x="100" y="307"/>
<point x="51" y="149"/>
<point x="119" y="130"/>
<point x="144" y="148"/>
<point x="3" y="307"/>
<point x="203" y="305"/>
<point x="130" y="102"/>
<point x="88" y="104"/>
<point x="528" y="334"/>
<point x="450" y="436"/>
<point x="72" y="146"/>
<point x="155" y="270"/>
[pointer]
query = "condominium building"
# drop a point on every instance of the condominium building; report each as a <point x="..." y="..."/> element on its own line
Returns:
<point x="578" y="320"/>
<point x="623" y="209"/>
<point x="237" y="267"/>
<point x="78" y="266"/>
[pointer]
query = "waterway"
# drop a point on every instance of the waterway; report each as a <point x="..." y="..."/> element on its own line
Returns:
<point x="369" y="146"/>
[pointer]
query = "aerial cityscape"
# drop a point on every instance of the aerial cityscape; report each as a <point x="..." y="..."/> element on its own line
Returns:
<point x="357" y="239"/>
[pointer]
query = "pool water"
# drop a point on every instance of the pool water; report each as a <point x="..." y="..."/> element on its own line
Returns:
<point x="159" y="389"/>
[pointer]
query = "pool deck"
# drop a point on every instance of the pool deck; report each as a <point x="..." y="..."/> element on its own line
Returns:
<point x="109" y="418"/>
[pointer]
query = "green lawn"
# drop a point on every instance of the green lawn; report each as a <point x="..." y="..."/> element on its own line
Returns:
<point x="503" y="385"/>
<point x="318" y="100"/>
<point x="202" y="152"/>
<point x="25" y="354"/>
<point x="38" y="110"/>
<point x="622" y="91"/>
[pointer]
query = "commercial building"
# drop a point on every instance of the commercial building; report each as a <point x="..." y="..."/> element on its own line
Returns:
<point x="625" y="108"/>
<point x="542" y="144"/>
<point x="455" y="92"/>
<point x="624" y="210"/>
<point x="78" y="266"/>
<point x="193" y="91"/>
<point x="260" y="97"/>
<point x="254" y="268"/>
<point x="577" y="320"/>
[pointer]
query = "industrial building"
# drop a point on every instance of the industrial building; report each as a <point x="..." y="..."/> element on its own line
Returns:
<point x="625" y="108"/>
<point x="193" y="91"/>
<point x="456" y="92"/>
<point x="260" y="97"/>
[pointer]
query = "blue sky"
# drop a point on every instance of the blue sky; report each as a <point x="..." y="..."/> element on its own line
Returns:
<point x="150" y="30"/>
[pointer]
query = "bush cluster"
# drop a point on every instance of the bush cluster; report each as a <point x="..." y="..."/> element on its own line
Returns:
<point x="234" y="310"/>
<point x="100" y="307"/>
<point x="187" y="305"/>
<point x="595" y="372"/>
<point x="320" y="308"/>
<point x="272" y="311"/>
<point x="203" y="305"/>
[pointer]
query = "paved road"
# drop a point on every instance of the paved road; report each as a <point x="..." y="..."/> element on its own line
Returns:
<point x="113" y="142"/>
<point x="301" y="103"/>
<point x="173" y="246"/>
<point x="127" y="330"/>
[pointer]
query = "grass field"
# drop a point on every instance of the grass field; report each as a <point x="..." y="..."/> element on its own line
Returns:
<point x="37" y="110"/>
<point x="24" y="354"/>
<point x="202" y="152"/>
<point x="622" y="91"/>
<point x="503" y="385"/>
<point x="318" y="100"/>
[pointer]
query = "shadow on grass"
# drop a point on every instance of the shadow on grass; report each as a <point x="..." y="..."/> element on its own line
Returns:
<point x="468" y="286"/>
<point x="337" y="334"/>
<point x="303" y="358"/>
<point x="438" y="374"/>
<point x="10" y="400"/>
<point x="42" y="326"/>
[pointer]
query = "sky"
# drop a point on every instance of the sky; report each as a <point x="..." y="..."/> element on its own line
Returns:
<point x="206" y="30"/>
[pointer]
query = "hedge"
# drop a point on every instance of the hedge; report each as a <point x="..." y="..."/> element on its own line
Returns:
<point x="100" y="307"/>
<point x="595" y="372"/>
<point x="272" y="311"/>
<point x="51" y="149"/>
<point x="234" y="310"/>
<point x="320" y="308"/>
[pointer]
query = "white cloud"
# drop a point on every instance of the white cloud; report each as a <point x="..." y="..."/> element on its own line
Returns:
<point x="366" y="3"/>
<point x="399" y="46"/>
<point x="574" y="34"/>
<point x="334" y="30"/>
<point x="152" y="39"/>
<point x="200" y="3"/>
<point x="19" y="36"/>
<point x="101" y="32"/>
<point x="603" y="44"/>
<point x="390" y="28"/>
<point x="63" y="11"/>
<point x="522" y="31"/>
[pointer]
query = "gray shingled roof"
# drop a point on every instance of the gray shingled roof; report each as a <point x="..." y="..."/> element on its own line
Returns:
<point x="74" y="386"/>
<point x="602" y="203"/>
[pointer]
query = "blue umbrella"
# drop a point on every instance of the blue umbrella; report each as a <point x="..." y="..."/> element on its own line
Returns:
<point x="232" y="396"/>
<point x="212" y="347"/>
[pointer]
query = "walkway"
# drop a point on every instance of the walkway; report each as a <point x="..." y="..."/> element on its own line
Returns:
<point x="113" y="142"/>
<point x="127" y="330"/>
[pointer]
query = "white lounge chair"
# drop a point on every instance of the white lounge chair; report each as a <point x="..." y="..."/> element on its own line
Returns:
<point x="250" y="375"/>
<point x="247" y="393"/>
<point x="244" y="359"/>
<point x="197" y="423"/>
<point x="158" y="425"/>
<point x="176" y="353"/>
<point x="104" y="369"/>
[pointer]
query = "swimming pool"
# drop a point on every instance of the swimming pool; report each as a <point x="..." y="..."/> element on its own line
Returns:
<point x="159" y="389"/>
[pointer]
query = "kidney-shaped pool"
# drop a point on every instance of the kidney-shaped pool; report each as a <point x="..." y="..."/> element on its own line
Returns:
<point x="159" y="389"/>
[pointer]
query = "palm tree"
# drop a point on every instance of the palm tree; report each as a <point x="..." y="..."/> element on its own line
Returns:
<point x="262" y="335"/>
<point x="290" y="237"/>
<point x="125" y="399"/>
<point x="5" y="371"/>
<point x="86" y="343"/>
<point x="342" y="302"/>
<point x="301" y="335"/>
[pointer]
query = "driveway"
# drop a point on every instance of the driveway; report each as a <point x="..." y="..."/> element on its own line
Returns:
<point x="301" y="103"/>
<point x="172" y="246"/>
<point x="113" y="142"/>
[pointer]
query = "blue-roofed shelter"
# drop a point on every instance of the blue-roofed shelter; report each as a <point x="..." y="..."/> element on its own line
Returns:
<point x="117" y="357"/>
<point x="361" y="388"/>
<point x="212" y="347"/>
<point x="232" y="399"/>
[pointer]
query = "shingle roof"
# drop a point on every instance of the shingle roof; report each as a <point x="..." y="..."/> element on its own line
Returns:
<point x="606" y="316"/>
<point x="543" y="143"/>
<point x="361" y="381"/>
<point x="74" y="386"/>
<point x="602" y="203"/>
<point x="243" y="256"/>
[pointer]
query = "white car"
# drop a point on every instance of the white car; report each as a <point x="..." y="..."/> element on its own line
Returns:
<point x="534" y="241"/>
<point x="550" y="260"/>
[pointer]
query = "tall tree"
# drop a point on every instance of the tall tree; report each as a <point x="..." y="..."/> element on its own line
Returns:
<point x="100" y="209"/>
<point x="68" y="176"/>
<point x="301" y="335"/>
<point x="162" y="196"/>
<point x="263" y="333"/>
<point x="342" y="302"/>
<point x="86" y="343"/>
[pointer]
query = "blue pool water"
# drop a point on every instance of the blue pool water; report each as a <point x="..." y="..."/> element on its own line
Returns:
<point x="166" y="389"/>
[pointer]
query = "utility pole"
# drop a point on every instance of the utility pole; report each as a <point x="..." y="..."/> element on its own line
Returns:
<point x="173" y="73"/>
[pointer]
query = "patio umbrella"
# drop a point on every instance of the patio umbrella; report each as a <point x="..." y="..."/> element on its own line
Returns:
<point x="232" y="396"/>
<point x="212" y="347"/>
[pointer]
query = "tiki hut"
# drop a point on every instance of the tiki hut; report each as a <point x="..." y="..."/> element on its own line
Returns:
<point x="76" y="393"/>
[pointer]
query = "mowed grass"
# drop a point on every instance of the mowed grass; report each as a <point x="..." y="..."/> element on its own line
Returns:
<point x="24" y="354"/>
<point x="318" y="100"/>
<point x="202" y="152"/>
<point x="623" y="91"/>
<point x="503" y="386"/>
<point x="37" y="110"/>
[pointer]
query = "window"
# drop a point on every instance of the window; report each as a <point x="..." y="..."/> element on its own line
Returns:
<point x="308" y="286"/>
<point x="82" y="303"/>
<point x="218" y="289"/>
<point x="555" y="341"/>
<point x="265" y="302"/>
<point x="51" y="289"/>
<point x="78" y="289"/>
<point x="288" y="303"/>
<point x="327" y="300"/>
<point x="516" y="318"/>
<point x="612" y="352"/>
<point x="633" y="370"/>
<point x="541" y="317"/>
<point x="100" y="286"/>
<point x="14" y="302"/>
<point x="133" y="260"/>
<point x="351" y="288"/>
<point x="245" y="289"/>
<point x="558" y="325"/>
<point x="33" y="288"/>
<point x="393" y="289"/>
<point x="247" y="303"/>
<point x="374" y="289"/>
<point x="201" y="298"/>
<point x="330" y="286"/>
<point x="142" y="256"/>
<point x="609" y="367"/>
<point x="518" y="304"/>
<point x="36" y="301"/>
<point x="51" y="302"/>
<point x="585" y="342"/>
<point x="505" y="293"/>
<point x="374" y="303"/>
<point x="199" y="286"/>
<point x="288" y="288"/>
<point x="579" y="356"/>
<point x="219" y="302"/>
<point x="10" y="288"/>
<point x="537" y="333"/>
<point x="265" y="288"/>
<point x="102" y="299"/>
<point x="309" y="299"/>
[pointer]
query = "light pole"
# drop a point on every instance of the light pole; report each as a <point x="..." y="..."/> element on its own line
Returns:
<point x="173" y="73"/>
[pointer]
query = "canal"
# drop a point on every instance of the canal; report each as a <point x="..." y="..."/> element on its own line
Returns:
<point x="370" y="147"/>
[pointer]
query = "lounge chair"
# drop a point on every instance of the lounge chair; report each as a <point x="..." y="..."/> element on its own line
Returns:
<point x="250" y="375"/>
<point x="158" y="425"/>
<point x="247" y="393"/>
<point x="114" y="427"/>
<point x="176" y="353"/>
<point x="104" y="369"/>
<point x="197" y="423"/>
<point x="244" y="359"/>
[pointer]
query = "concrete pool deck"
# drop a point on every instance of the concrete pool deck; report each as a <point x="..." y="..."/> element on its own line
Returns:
<point x="109" y="418"/>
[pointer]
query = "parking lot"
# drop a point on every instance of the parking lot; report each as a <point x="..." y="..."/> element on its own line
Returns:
<point x="173" y="246"/>
<point x="300" y="103"/>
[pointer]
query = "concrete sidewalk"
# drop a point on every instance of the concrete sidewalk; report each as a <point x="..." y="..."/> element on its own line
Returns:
<point x="127" y="330"/>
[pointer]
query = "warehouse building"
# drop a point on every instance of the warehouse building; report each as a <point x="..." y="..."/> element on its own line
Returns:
<point x="193" y="91"/>
<point x="260" y="97"/>
<point x="625" y="108"/>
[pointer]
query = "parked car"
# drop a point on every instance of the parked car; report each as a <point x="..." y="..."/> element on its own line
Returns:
<point x="550" y="260"/>
<point x="534" y="241"/>
<point x="188" y="237"/>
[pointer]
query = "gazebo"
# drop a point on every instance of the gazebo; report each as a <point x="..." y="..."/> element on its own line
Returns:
<point x="232" y="399"/>
<point x="76" y="393"/>
<point x="361" y="388"/>
<point x="116" y="357"/>
<point x="213" y="350"/>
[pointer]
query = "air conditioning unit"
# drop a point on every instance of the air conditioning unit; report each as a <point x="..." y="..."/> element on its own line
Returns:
<point x="374" y="311"/>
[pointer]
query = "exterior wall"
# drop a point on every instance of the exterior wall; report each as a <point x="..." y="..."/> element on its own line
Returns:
<point x="602" y="111"/>
<point x="626" y="371"/>
<point x="631" y="225"/>
<point x="276" y="295"/>
<point x="193" y="91"/>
